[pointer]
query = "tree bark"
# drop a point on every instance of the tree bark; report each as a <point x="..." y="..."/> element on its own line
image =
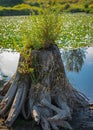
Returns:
<point x="49" y="99"/>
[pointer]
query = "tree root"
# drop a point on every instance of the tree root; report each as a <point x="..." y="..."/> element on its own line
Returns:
<point x="1" y="98"/>
<point x="42" y="109"/>
<point x="8" y="98"/>
<point x="17" y="103"/>
<point x="6" y="86"/>
<point x="48" y="114"/>
<point x="45" y="124"/>
<point x="44" y="115"/>
<point x="79" y="99"/>
<point x="49" y="101"/>
<point x="26" y="113"/>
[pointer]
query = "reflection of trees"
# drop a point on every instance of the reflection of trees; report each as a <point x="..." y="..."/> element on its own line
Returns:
<point x="74" y="59"/>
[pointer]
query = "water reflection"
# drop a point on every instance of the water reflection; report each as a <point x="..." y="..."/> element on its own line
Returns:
<point x="74" y="59"/>
<point x="8" y="64"/>
<point x="83" y="80"/>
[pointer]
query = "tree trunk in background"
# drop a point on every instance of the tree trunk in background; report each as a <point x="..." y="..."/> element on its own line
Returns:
<point x="46" y="96"/>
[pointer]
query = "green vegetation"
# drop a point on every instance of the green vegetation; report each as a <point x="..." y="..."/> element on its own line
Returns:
<point x="10" y="2"/>
<point x="34" y="32"/>
<point x="25" y="7"/>
<point x="76" y="30"/>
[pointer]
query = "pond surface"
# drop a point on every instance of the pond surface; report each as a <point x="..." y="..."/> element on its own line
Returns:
<point x="79" y="69"/>
<point x="8" y="64"/>
<point x="78" y="66"/>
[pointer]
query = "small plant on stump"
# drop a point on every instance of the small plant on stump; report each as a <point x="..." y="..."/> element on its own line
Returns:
<point x="40" y="89"/>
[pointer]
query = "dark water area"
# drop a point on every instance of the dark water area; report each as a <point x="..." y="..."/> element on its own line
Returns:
<point x="78" y="66"/>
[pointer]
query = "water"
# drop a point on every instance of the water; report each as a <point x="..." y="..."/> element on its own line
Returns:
<point x="8" y="64"/>
<point x="78" y="66"/>
<point x="79" y="70"/>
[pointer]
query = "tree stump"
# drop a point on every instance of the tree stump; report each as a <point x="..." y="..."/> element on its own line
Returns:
<point x="49" y="99"/>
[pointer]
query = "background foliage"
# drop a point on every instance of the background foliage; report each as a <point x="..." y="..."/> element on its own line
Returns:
<point x="25" y="7"/>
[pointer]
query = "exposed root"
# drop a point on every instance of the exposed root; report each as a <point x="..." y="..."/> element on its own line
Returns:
<point x="26" y="113"/>
<point x="48" y="114"/>
<point x="8" y="98"/>
<point x="6" y="86"/>
<point x="28" y="104"/>
<point x="31" y="99"/>
<point x="79" y="99"/>
<point x="49" y="120"/>
<point x="50" y="101"/>
<point x="62" y="103"/>
<point x="17" y="103"/>
<point x="54" y="126"/>
<point x="61" y="114"/>
<point x="1" y="98"/>
<point x="45" y="124"/>
<point x="63" y="124"/>
<point x="36" y="114"/>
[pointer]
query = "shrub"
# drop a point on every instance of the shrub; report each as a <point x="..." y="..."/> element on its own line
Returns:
<point x="91" y="11"/>
<point x="1" y="8"/>
<point x="22" y="7"/>
<point x="35" y="4"/>
<point x="11" y="12"/>
<point x="10" y="2"/>
<point x="86" y="5"/>
<point x="91" y="6"/>
<point x="75" y="10"/>
<point x="67" y="6"/>
<point x="44" y="30"/>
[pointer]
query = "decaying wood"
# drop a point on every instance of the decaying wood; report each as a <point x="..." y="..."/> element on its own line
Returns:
<point x="18" y="102"/>
<point x="6" y="86"/>
<point x="63" y="124"/>
<point x="8" y="98"/>
<point x="45" y="124"/>
<point x="36" y="114"/>
<point x="1" y="98"/>
<point x="26" y="115"/>
<point x="50" y="100"/>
